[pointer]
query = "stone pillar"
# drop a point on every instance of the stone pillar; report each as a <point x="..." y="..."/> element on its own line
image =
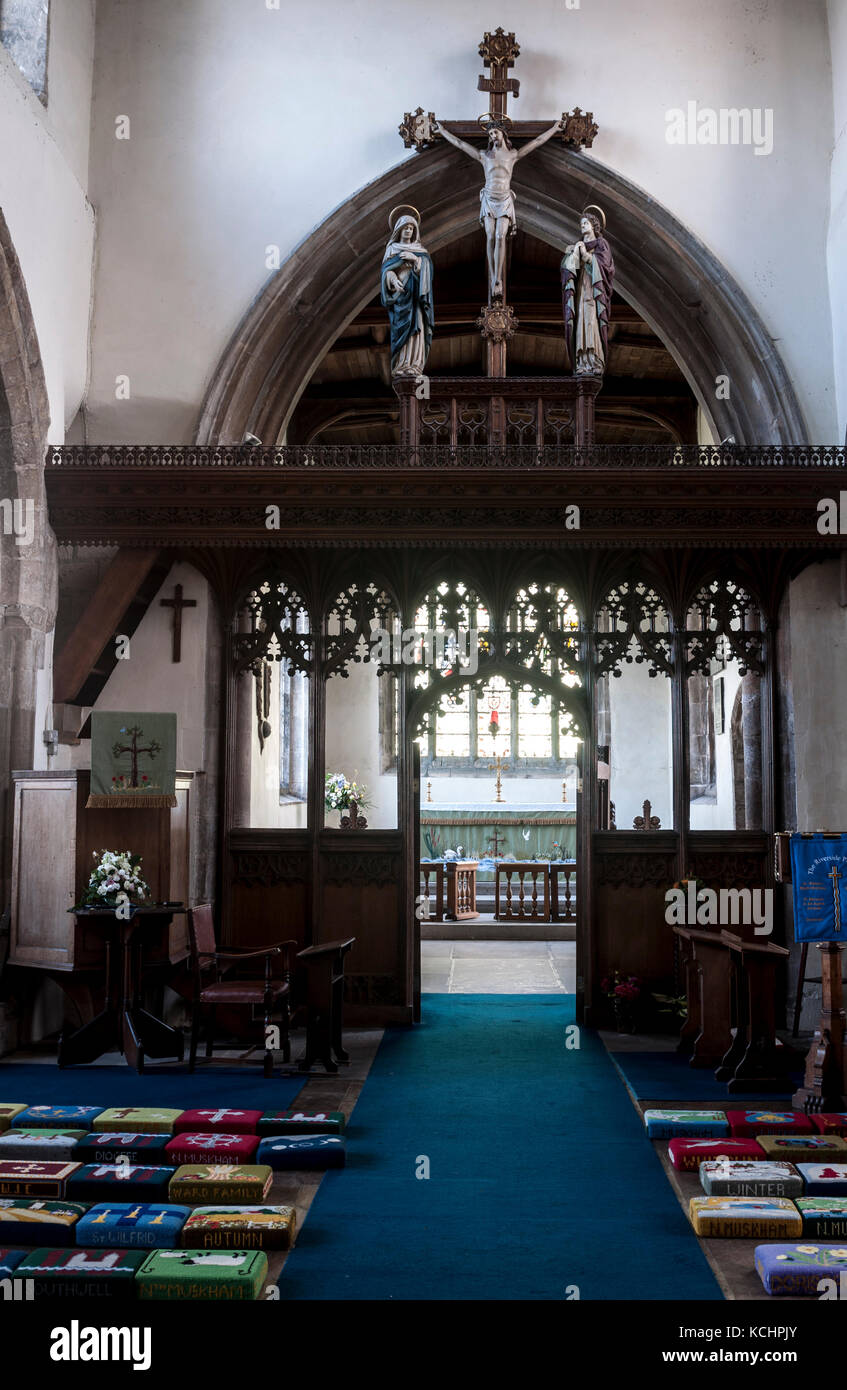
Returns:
<point x="244" y="695"/>
<point x="751" y="732"/>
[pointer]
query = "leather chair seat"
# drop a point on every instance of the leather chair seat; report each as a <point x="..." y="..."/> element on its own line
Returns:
<point x="241" y="991"/>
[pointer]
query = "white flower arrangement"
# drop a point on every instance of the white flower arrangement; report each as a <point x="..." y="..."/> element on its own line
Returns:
<point x="339" y="792"/>
<point x="117" y="872"/>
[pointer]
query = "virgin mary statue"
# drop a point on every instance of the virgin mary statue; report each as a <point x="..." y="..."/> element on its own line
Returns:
<point x="588" y="274"/>
<point x="406" y="292"/>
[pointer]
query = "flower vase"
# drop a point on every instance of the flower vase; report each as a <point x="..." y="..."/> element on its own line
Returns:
<point x="624" y="1022"/>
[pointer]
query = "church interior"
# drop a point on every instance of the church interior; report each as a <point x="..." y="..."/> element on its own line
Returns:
<point x="423" y="620"/>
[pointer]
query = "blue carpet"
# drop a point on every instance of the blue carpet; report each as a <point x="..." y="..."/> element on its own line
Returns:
<point x="242" y="1089"/>
<point x="541" y="1175"/>
<point x="667" y="1076"/>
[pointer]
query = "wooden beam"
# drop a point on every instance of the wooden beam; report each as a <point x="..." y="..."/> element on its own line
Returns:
<point x="100" y="621"/>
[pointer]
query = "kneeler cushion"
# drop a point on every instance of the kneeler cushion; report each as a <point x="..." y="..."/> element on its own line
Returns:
<point x="750" y="1178"/>
<point x="301" y="1122"/>
<point x="227" y="1121"/>
<point x="109" y="1147"/>
<point x="9" y="1261"/>
<point x="8" y="1114"/>
<point x="691" y="1124"/>
<point x="57" y="1117"/>
<point x="823" y="1216"/>
<point x="137" y="1120"/>
<point x="735" y="1217"/>
<point x="833" y="1123"/>
<point x="82" y="1273"/>
<point x="23" y="1177"/>
<point x="128" y="1182"/>
<point x="301" y="1151"/>
<point x="222" y="1182"/>
<point x="805" y="1148"/>
<point x="203" y="1274"/>
<point x="824" y="1179"/>
<point x="240" y="1228"/>
<point x="686" y="1155"/>
<point x="40" y="1143"/>
<point x="211" y="1148"/>
<point x="799" y="1269"/>
<point x="24" y="1221"/>
<point x="153" y="1225"/>
<point x="754" y="1122"/>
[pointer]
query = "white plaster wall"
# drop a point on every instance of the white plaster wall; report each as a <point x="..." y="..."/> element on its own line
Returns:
<point x="250" y="125"/>
<point x="519" y="789"/>
<point x="819" y="673"/>
<point x="837" y="245"/>
<point x="150" y="681"/>
<point x="720" y="813"/>
<point x="352" y="743"/>
<point x="43" y="181"/>
<point x="641" y="763"/>
<point x="265" y="808"/>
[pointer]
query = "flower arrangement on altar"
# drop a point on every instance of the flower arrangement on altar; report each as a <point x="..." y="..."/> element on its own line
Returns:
<point x="117" y="872"/>
<point x="340" y="792"/>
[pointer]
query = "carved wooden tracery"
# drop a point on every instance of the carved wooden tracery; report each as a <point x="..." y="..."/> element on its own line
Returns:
<point x="724" y="622"/>
<point x="279" y="630"/>
<point x="349" y="626"/>
<point x="633" y="626"/>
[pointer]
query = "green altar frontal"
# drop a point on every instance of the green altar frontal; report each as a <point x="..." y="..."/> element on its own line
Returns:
<point x="552" y="832"/>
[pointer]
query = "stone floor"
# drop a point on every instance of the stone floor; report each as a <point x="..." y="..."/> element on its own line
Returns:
<point x="498" y="967"/>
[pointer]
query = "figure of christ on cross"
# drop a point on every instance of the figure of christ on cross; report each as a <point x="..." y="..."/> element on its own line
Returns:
<point x="496" y="200"/>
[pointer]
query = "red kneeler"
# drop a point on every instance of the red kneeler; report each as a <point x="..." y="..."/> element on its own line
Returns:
<point x="270" y="993"/>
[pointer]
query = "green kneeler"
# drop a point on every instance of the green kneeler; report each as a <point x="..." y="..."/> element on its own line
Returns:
<point x="226" y="1275"/>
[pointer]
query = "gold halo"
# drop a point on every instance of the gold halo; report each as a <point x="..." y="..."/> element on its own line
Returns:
<point x="592" y="207"/>
<point x="403" y="207"/>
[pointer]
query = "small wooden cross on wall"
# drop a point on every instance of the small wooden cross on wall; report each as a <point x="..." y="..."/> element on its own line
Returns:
<point x="646" y="821"/>
<point x="177" y="603"/>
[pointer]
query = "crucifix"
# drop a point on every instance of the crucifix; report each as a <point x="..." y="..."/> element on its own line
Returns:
<point x="177" y="603"/>
<point x="504" y="142"/>
<point x="119" y="749"/>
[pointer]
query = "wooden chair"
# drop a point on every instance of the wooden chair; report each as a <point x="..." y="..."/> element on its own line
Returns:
<point x="210" y="988"/>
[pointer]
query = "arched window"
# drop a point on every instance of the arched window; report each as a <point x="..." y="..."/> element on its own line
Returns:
<point x="23" y="33"/>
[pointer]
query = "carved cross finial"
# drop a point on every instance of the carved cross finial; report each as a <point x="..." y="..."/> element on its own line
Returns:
<point x="646" y="821"/>
<point x="498" y="52"/>
<point x="354" y="821"/>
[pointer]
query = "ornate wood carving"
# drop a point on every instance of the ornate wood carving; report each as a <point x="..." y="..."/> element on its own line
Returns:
<point x="279" y="630"/>
<point x="261" y="868"/>
<point x="360" y="866"/>
<point x="632" y="627"/>
<point x="635" y="870"/>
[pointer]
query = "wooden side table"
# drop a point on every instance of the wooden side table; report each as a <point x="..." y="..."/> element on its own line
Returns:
<point x="324" y="967"/>
<point x="461" y="889"/>
<point x="123" y="1023"/>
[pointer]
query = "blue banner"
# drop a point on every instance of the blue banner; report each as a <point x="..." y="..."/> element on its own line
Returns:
<point x="818" y="878"/>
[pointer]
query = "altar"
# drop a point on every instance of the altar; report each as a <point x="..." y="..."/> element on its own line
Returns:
<point x="489" y="831"/>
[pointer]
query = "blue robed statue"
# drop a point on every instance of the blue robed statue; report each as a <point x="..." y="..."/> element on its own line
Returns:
<point x="406" y="292"/>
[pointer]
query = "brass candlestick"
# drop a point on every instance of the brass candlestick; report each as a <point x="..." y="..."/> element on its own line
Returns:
<point x="429" y="791"/>
<point x="497" y="766"/>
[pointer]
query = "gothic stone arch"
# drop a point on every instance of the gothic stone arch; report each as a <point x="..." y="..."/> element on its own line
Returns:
<point x="683" y="291"/>
<point x="28" y="572"/>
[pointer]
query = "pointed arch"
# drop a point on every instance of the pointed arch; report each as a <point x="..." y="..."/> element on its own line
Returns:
<point x="686" y="295"/>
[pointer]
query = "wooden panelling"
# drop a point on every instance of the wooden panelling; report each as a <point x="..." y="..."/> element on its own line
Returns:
<point x="43" y="871"/>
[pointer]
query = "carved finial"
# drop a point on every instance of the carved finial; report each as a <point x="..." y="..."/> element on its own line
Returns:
<point x="646" y="821"/>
